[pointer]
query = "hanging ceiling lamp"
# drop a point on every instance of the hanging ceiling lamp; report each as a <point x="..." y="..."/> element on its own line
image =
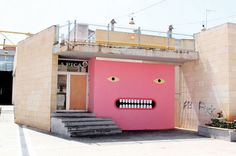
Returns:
<point x="132" y="21"/>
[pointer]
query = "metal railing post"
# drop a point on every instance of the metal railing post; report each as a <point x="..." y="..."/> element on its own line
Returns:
<point x="57" y="40"/>
<point x="139" y="35"/>
<point x="68" y="39"/>
<point x="108" y="35"/>
<point x="75" y="30"/>
<point x="163" y="39"/>
<point x="168" y="41"/>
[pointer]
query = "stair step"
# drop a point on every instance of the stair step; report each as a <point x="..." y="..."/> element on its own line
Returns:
<point x="70" y="111"/>
<point x="76" y="123"/>
<point x="89" y="123"/>
<point x="85" y="119"/>
<point x="77" y="115"/>
<point x="91" y="128"/>
<point x="96" y="132"/>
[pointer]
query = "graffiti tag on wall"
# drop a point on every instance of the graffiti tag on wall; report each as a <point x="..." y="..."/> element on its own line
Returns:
<point x="202" y="107"/>
<point x="209" y="110"/>
<point x="188" y="105"/>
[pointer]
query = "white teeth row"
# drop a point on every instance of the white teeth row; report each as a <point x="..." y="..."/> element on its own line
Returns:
<point x="135" y="106"/>
<point x="135" y="101"/>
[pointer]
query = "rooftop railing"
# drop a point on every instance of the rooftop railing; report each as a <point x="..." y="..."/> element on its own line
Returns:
<point x="112" y="36"/>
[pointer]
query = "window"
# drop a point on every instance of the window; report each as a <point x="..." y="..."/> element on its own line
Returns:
<point x="9" y="66"/>
<point x="10" y="58"/>
<point x="2" y="58"/>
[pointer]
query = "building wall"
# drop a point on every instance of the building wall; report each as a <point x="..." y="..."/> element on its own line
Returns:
<point x="91" y="77"/>
<point x="232" y="70"/>
<point x="134" y="81"/>
<point x="35" y="80"/>
<point x="207" y="84"/>
<point x="6" y="68"/>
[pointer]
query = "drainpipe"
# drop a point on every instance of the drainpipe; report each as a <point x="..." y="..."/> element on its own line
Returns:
<point x="68" y="39"/>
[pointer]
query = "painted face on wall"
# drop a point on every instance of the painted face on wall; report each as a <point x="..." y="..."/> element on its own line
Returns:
<point x="136" y="95"/>
<point x="135" y="103"/>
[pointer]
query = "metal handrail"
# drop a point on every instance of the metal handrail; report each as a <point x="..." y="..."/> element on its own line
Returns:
<point x="67" y="33"/>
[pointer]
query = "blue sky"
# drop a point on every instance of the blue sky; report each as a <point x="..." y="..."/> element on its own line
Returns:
<point x="186" y="16"/>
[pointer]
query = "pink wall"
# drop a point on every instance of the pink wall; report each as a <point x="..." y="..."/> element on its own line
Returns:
<point x="136" y="81"/>
<point x="91" y="84"/>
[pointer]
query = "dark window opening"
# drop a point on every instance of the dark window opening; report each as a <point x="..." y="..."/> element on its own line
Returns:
<point x="5" y="88"/>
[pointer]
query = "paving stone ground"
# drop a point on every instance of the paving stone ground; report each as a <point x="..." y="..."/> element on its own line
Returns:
<point x="17" y="140"/>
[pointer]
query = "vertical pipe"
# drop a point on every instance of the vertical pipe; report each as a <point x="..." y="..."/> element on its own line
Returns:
<point x="206" y="18"/>
<point x="75" y="30"/>
<point x="168" y="42"/>
<point x="108" y="35"/>
<point x="68" y="31"/>
<point x="139" y="35"/>
<point x="57" y="36"/>
<point x="4" y="42"/>
<point x="57" y="39"/>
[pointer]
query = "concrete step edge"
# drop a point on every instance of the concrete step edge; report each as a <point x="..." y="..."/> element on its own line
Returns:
<point x="89" y="123"/>
<point x="85" y="119"/>
<point x="71" y="111"/>
<point x="72" y="115"/>
<point x="75" y="134"/>
<point x="90" y="128"/>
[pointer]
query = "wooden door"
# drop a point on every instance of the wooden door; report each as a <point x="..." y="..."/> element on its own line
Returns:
<point x="78" y="92"/>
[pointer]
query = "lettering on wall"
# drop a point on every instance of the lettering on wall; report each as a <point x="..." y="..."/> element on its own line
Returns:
<point x="73" y="65"/>
<point x="188" y="105"/>
<point x="208" y="110"/>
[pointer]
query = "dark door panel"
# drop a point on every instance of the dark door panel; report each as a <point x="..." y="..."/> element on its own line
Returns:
<point x="5" y="87"/>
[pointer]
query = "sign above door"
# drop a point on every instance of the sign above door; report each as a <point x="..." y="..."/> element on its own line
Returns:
<point x="73" y="65"/>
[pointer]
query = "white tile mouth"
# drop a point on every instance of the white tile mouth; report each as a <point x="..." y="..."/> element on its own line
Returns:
<point x="135" y="103"/>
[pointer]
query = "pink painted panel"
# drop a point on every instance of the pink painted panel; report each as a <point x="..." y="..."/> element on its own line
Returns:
<point x="133" y="81"/>
<point x="91" y="77"/>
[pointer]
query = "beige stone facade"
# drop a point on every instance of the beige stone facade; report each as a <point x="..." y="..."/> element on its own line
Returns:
<point x="204" y="87"/>
<point x="207" y="86"/>
<point x="232" y="70"/>
<point x="35" y="79"/>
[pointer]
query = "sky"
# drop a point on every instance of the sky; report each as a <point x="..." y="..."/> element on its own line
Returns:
<point x="186" y="16"/>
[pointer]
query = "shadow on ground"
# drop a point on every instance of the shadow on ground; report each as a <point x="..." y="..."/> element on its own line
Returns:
<point x="131" y="136"/>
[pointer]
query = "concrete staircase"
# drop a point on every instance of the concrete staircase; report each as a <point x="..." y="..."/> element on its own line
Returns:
<point x="6" y="114"/>
<point x="75" y="124"/>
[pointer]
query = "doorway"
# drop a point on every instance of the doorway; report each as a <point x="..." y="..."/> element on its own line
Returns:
<point x="78" y="87"/>
<point x="5" y="88"/>
<point x="72" y="91"/>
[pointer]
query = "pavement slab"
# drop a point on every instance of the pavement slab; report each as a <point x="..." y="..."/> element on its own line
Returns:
<point x="18" y="140"/>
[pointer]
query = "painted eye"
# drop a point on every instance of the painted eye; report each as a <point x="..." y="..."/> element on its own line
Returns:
<point x="159" y="81"/>
<point x="113" y="79"/>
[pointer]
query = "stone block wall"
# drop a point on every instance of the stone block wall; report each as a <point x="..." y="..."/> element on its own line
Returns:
<point x="208" y="85"/>
<point x="232" y="70"/>
<point x="35" y="80"/>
